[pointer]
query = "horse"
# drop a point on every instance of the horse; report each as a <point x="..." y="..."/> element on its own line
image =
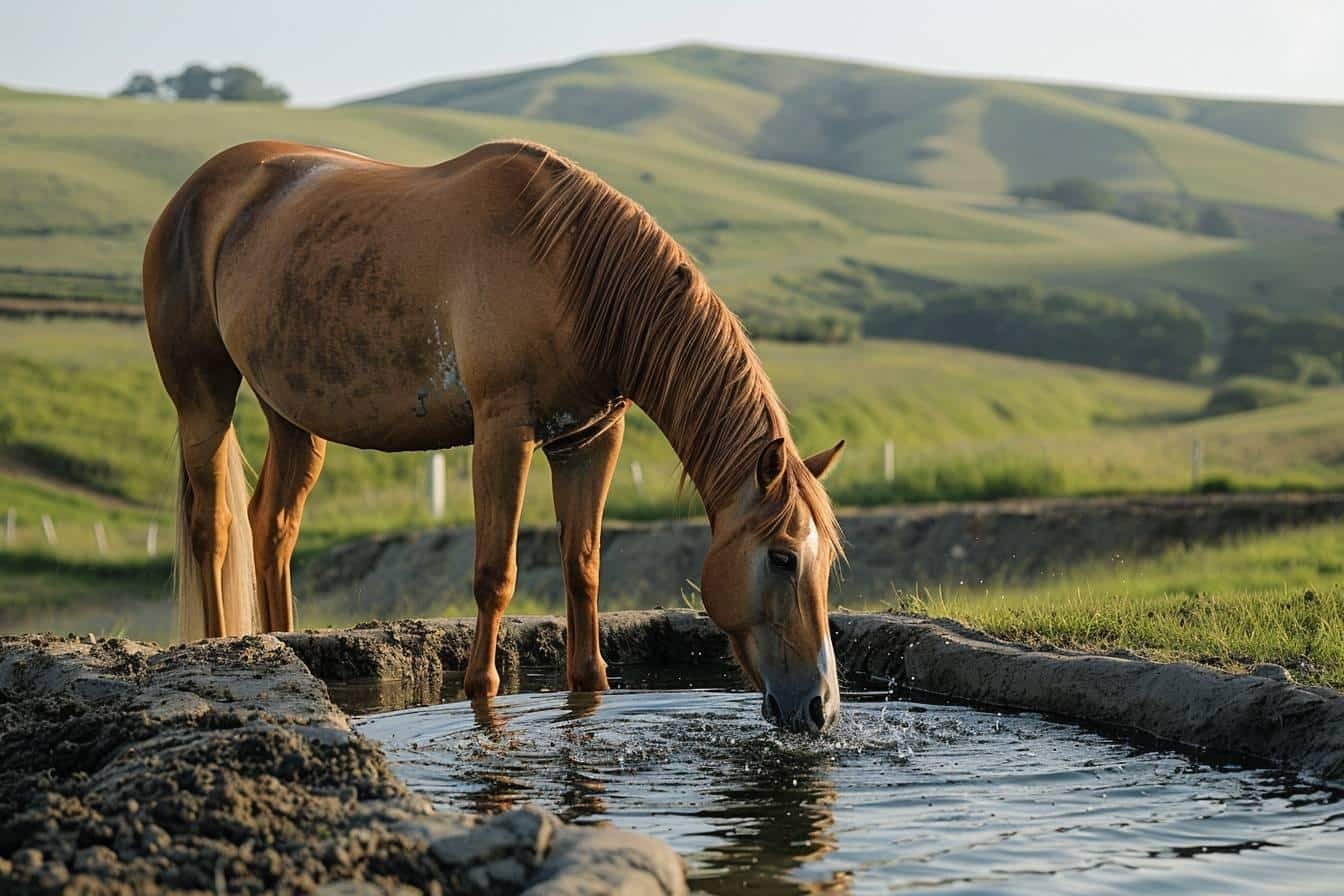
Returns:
<point x="506" y="298"/>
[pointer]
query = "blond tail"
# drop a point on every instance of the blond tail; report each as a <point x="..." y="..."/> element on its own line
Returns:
<point x="241" y="608"/>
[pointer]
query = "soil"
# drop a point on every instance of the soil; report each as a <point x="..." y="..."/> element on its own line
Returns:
<point x="222" y="766"/>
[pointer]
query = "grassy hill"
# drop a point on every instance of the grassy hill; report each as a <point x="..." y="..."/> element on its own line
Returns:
<point x="965" y="134"/>
<point x="82" y="179"/>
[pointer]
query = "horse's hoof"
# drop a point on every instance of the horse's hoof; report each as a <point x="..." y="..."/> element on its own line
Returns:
<point x="481" y="684"/>
<point x="589" y="677"/>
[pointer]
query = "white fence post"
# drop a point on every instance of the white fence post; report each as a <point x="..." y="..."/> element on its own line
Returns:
<point x="100" y="536"/>
<point x="889" y="460"/>
<point x="152" y="540"/>
<point x="49" y="529"/>
<point x="438" y="484"/>
<point x="637" y="476"/>
<point x="11" y="527"/>
<point x="1195" y="459"/>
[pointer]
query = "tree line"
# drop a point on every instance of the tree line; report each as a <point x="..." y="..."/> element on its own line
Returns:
<point x="1085" y="194"/>
<point x="1160" y="335"/>
<point x="1297" y="348"/>
<point x="234" y="83"/>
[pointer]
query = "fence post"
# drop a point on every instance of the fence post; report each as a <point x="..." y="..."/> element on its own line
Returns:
<point x="152" y="540"/>
<point x="1195" y="478"/>
<point x="49" y="529"/>
<point x="438" y="484"/>
<point x="637" y="476"/>
<point x="889" y="460"/>
<point x="100" y="536"/>
<point x="11" y="527"/>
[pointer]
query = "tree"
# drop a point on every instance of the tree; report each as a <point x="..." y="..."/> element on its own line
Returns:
<point x="141" y="84"/>
<point x="1213" y="221"/>
<point x="245" y="85"/>
<point x="1339" y="218"/>
<point x="195" y="82"/>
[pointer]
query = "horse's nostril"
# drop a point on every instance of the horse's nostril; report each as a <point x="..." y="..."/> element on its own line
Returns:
<point x="814" y="710"/>
<point x="770" y="708"/>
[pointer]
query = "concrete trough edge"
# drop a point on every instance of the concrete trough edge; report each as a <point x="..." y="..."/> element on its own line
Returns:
<point x="1234" y="715"/>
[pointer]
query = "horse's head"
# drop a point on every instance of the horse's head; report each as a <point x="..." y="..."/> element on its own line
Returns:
<point x="765" y="582"/>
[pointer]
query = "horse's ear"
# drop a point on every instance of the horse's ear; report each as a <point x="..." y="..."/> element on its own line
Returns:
<point x="770" y="465"/>
<point x="822" y="462"/>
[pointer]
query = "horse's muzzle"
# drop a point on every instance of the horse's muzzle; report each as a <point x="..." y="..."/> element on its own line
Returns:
<point x="805" y="714"/>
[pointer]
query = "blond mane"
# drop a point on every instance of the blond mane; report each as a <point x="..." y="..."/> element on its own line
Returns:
<point x="643" y="311"/>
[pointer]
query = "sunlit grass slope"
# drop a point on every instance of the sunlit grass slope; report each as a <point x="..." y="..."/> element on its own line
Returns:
<point x="1273" y="598"/>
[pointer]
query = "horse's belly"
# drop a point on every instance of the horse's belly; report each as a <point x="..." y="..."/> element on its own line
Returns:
<point x="361" y="387"/>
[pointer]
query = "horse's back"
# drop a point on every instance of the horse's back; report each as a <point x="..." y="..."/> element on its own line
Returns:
<point x="368" y="302"/>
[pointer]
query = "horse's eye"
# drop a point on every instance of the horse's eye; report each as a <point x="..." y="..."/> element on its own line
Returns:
<point x="784" y="561"/>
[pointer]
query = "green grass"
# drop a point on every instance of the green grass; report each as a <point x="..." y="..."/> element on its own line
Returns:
<point x="1274" y="598"/>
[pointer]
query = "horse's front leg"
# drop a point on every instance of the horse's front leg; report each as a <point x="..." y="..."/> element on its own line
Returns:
<point x="580" y="480"/>
<point x="500" y="461"/>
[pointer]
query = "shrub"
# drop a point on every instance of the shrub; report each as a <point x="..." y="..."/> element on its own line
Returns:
<point x="1076" y="193"/>
<point x="1249" y="393"/>
<point x="1213" y="221"/>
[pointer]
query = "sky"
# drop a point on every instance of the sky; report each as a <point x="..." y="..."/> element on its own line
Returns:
<point x="341" y="49"/>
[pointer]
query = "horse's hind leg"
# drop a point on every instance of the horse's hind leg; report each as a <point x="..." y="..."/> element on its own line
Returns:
<point x="293" y="461"/>
<point x="215" y="593"/>
<point x="580" y="480"/>
<point x="500" y="461"/>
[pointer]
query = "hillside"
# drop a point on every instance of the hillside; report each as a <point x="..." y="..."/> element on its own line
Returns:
<point x="82" y="179"/>
<point x="964" y="134"/>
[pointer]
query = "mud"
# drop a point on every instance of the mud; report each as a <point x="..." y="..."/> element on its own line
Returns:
<point x="1263" y="717"/>
<point x="224" y="767"/>
<point x="648" y="564"/>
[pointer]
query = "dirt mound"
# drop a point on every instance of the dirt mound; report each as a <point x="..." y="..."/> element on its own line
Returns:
<point x="222" y="766"/>
<point x="649" y="564"/>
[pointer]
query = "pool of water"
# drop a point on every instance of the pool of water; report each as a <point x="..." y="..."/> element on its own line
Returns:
<point x="902" y="795"/>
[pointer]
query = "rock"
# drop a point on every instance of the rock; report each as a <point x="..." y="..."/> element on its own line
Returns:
<point x="1272" y="671"/>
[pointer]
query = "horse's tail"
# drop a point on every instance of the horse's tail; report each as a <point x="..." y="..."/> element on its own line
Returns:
<point x="239" y="589"/>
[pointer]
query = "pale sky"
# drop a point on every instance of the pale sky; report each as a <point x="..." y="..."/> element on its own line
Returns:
<point x="340" y="49"/>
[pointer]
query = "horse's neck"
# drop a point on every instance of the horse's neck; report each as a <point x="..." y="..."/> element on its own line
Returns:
<point x="713" y="430"/>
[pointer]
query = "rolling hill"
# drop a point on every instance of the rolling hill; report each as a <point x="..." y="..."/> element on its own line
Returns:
<point x="82" y="179"/>
<point x="964" y="134"/>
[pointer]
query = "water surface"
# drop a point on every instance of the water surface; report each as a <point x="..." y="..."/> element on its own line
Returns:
<point x="902" y="795"/>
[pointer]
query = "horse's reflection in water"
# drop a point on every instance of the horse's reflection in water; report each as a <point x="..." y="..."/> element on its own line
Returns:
<point x="580" y="795"/>
<point x="775" y="816"/>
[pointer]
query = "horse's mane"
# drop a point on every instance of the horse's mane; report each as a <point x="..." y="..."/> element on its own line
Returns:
<point x="643" y="311"/>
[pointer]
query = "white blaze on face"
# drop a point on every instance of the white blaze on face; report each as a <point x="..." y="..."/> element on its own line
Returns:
<point x="812" y="542"/>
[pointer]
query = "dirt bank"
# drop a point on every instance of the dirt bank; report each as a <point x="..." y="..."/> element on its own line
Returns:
<point x="223" y="767"/>
<point x="1260" y="718"/>
<point x="400" y="575"/>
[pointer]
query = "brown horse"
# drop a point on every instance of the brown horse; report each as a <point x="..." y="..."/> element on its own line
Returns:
<point x="506" y="298"/>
